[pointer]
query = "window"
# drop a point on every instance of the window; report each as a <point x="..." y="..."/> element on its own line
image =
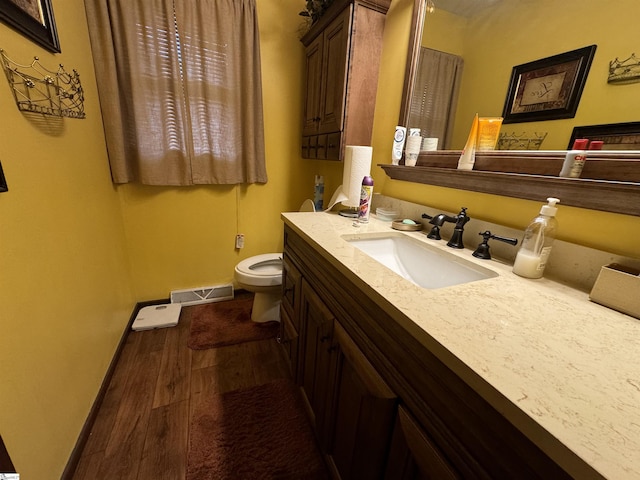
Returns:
<point x="180" y="90"/>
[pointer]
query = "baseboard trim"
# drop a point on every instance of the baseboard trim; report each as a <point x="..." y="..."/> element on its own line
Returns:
<point x="74" y="459"/>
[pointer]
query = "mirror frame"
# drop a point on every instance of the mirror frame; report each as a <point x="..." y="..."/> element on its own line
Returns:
<point x="501" y="172"/>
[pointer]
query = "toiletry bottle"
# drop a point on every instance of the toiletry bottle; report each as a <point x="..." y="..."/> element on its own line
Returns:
<point x="468" y="156"/>
<point x="366" y="192"/>
<point x="578" y="164"/>
<point x="319" y="193"/>
<point x="398" y="144"/>
<point x="574" y="156"/>
<point x="536" y="244"/>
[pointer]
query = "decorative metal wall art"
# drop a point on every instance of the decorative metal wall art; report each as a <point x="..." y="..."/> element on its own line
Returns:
<point x="624" y="71"/>
<point x="522" y="141"/>
<point x="39" y="90"/>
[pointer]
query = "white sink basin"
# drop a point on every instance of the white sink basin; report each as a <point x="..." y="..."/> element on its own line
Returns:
<point x="418" y="262"/>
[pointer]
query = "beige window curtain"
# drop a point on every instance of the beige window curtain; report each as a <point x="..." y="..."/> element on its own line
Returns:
<point x="435" y="95"/>
<point x="180" y="90"/>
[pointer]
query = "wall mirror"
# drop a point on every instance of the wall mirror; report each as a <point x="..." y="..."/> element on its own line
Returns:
<point x="610" y="181"/>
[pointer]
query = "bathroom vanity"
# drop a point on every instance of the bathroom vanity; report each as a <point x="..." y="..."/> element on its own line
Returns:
<point x="497" y="378"/>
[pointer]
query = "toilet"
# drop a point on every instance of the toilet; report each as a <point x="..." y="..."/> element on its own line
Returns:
<point x="262" y="275"/>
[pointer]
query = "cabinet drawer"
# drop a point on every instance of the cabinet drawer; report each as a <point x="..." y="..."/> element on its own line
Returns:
<point x="321" y="151"/>
<point x="305" y="147"/>
<point x="313" y="147"/>
<point x="333" y="146"/>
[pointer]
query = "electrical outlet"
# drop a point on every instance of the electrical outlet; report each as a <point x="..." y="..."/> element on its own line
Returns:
<point x="239" y="240"/>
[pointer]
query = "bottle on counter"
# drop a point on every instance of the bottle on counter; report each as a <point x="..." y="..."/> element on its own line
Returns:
<point x="574" y="158"/>
<point x="318" y="193"/>
<point x="578" y="164"/>
<point x="366" y="193"/>
<point x="535" y="249"/>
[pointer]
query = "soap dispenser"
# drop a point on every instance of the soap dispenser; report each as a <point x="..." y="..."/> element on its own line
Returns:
<point x="536" y="245"/>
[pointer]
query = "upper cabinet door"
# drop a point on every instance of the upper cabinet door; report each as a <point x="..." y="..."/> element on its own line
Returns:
<point x="343" y="53"/>
<point x="333" y="87"/>
<point x="314" y="78"/>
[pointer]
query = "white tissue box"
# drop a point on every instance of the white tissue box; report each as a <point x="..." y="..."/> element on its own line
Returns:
<point x="618" y="287"/>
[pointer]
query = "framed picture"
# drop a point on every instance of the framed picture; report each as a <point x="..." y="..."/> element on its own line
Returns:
<point x="616" y="136"/>
<point x="3" y="181"/>
<point x="548" y="89"/>
<point x="34" y="19"/>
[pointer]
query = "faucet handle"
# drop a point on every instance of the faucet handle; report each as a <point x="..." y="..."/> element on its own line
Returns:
<point x="483" y="249"/>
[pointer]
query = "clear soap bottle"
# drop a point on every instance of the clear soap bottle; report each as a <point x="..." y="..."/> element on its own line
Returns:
<point x="535" y="249"/>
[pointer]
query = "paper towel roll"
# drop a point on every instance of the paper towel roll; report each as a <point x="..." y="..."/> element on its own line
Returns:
<point x="357" y="165"/>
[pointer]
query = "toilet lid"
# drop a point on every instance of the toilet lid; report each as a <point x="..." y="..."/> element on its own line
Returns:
<point x="307" y="206"/>
<point x="265" y="265"/>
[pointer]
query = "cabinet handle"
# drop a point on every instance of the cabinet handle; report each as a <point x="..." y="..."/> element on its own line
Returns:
<point x="332" y="348"/>
<point x="331" y="145"/>
<point x="324" y="338"/>
<point x="281" y="340"/>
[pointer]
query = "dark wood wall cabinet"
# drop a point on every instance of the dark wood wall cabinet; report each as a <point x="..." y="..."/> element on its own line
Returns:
<point x="343" y="51"/>
<point x="383" y="405"/>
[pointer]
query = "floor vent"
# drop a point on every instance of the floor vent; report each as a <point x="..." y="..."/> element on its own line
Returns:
<point x="195" y="296"/>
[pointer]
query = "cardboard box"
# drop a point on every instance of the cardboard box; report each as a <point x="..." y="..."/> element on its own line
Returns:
<point x="618" y="287"/>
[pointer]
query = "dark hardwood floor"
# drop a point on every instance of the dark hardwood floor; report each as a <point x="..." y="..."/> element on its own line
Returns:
<point x="142" y="428"/>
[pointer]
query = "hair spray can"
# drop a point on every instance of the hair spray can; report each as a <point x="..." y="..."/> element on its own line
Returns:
<point x="366" y="193"/>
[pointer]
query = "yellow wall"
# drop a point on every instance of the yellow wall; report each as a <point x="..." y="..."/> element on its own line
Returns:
<point x="76" y="252"/>
<point x="185" y="237"/>
<point x="513" y="33"/>
<point x="65" y="289"/>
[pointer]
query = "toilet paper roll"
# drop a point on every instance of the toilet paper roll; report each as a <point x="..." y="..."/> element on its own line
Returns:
<point x="357" y="165"/>
<point x="429" y="144"/>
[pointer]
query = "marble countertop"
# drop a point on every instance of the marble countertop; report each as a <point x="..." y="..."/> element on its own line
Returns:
<point x="562" y="369"/>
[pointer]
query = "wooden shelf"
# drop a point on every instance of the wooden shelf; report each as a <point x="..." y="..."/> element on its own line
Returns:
<point x="530" y="178"/>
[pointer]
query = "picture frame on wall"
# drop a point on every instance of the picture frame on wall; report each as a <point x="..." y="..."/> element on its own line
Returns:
<point x="616" y="136"/>
<point x="549" y="88"/>
<point x="34" y="19"/>
<point x="3" y="181"/>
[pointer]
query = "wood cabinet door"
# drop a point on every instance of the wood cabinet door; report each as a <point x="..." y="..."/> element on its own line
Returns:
<point x="334" y="68"/>
<point x="313" y="73"/>
<point x="413" y="456"/>
<point x="288" y="338"/>
<point x="363" y="411"/>
<point x="291" y="285"/>
<point x="317" y="368"/>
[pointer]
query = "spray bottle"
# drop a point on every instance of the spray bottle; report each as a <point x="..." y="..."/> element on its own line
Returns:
<point x="366" y="193"/>
<point x="536" y="245"/>
<point x="318" y="193"/>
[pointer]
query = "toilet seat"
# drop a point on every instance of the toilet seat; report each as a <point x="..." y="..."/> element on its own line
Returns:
<point x="261" y="270"/>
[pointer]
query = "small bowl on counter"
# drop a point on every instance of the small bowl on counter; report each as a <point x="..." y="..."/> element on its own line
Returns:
<point x="407" y="225"/>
